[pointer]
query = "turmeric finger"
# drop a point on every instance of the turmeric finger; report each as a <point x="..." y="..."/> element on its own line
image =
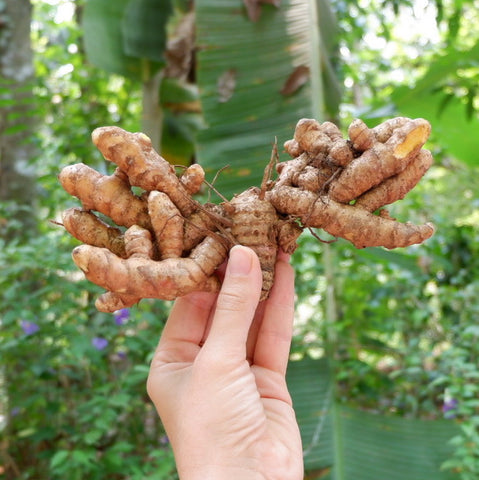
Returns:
<point x="380" y="162"/>
<point x="146" y="278"/>
<point x="192" y="178"/>
<point x="88" y="228"/>
<point x="396" y="187"/>
<point x="167" y="223"/>
<point x="107" y="194"/>
<point x="110" y="302"/>
<point x="360" y="227"/>
<point x="145" y="168"/>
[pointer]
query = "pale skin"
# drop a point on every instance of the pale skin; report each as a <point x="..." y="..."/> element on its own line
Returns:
<point x="217" y="378"/>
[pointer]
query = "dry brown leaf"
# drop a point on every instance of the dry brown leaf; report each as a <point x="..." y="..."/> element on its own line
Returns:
<point x="296" y="80"/>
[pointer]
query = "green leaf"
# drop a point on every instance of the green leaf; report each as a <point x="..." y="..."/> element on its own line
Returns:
<point x="178" y="138"/>
<point x="397" y="257"/>
<point x="379" y="447"/>
<point x="359" y="444"/>
<point x="309" y="382"/>
<point x="92" y="437"/>
<point x="83" y="457"/>
<point x="329" y="35"/>
<point x="175" y="91"/>
<point x="126" y="37"/>
<point x="26" y="432"/>
<point x="144" y="29"/>
<point x="472" y="330"/>
<point x="453" y="123"/>
<point x="182" y="119"/>
<point x="242" y="68"/>
<point x="120" y="400"/>
<point x="59" y="458"/>
<point x="103" y="37"/>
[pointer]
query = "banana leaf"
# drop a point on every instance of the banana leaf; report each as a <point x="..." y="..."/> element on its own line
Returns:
<point x="309" y="381"/>
<point x="126" y="37"/>
<point x="378" y="446"/>
<point x="345" y="443"/>
<point x="144" y="29"/>
<point x="182" y="119"/>
<point x="256" y="80"/>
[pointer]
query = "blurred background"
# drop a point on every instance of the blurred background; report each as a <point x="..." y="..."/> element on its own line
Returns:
<point x="384" y="371"/>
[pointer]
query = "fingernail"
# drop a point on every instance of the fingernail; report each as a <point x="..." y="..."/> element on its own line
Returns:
<point x="240" y="261"/>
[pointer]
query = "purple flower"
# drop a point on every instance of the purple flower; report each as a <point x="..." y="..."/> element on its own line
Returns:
<point x="29" y="328"/>
<point x="122" y="316"/>
<point x="448" y="408"/>
<point x="99" y="343"/>
<point x="15" y="411"/>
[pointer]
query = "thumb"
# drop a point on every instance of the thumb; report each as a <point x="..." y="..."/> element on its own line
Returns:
<point x="236" y="304"/>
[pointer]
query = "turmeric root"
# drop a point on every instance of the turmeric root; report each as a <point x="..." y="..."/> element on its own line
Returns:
<point x="356" y="225"/>
<point x="253" y="223"/>
<point x="88" y="228"/>
<point x="145" y="278"/>
<point x="173" y="245"/>
<point x="397" y="186"/>
<point x="167" y="223"/>
<point x="382" y="160"/>
<point x="110" y="195"/>
<point x="192" y="178"/>
<point x="145" y="168"/>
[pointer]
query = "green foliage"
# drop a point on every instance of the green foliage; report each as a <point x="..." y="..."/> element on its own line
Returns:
<point x="446" y="94"/>
<point x="430" y="72"/>
<point x="73" y="379"/>
<point x="73" y="98"/>
<point x="377" y="446"/>
<point x="126" y="37"/>
<point x="405" y="334"/>
<point x="144" y="29"/>
<point x="465" y="460"/>
<point x="399" y="327"/>
<point x="182" y="120"/>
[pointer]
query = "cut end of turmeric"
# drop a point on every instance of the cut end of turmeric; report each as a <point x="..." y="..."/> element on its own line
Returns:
<point x="414" y="139"/>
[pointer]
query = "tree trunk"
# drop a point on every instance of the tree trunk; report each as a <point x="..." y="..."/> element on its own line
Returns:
<point x="17" y="185"/>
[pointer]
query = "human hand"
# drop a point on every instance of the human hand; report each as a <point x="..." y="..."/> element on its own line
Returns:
<point x="217" y="378"/>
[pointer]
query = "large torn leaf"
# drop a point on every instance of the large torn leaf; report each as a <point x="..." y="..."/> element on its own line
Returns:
<point x="345" y="443"/>
<point x="242" y="68"/>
